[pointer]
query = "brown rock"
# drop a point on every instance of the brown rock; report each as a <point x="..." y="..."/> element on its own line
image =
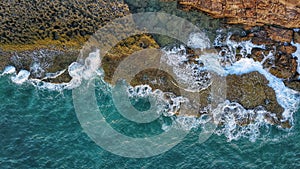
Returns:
<point x="279" y="34"/>
<point x="250" y="12"/>
<point x="293" y="84"/>
<point x="296" y="37"/>
<point x="282" y="64"/>
<point x="252" y="90"/>
<point x="287" y="49"/>
<point x="285" y="66"/>
<point x="123" y="49"/>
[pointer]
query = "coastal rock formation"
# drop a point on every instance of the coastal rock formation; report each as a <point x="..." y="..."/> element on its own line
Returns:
<point x="251" y="90"/>
<point x="47" y="36"/>
<point x="56" y="28"/>
<point x="277" y="43"/>
<point x="50" y="34"/>
<point x="122" y="50"/>
<point x="26" y="22"/>
<point x="285" y="13"/>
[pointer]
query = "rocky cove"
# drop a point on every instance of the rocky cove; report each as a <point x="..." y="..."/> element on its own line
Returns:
<point x="50" y="35"/>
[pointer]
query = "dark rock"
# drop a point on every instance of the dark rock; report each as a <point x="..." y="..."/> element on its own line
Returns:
<point x="55" y="36"/>
<point x="294" y="84"/>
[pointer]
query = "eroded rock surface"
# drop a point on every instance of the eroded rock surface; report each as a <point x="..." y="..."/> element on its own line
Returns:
<point x="23" y="22"/>
<point x="250" y="12"/>
<point x="252" y="90"/>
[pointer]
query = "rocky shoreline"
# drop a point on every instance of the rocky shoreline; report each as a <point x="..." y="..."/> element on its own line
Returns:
<point x="284" y="13"/>
<point x="51" y="35"/>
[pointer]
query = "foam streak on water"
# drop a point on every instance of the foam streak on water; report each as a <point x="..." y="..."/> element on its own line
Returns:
<point x="77" y="71"/>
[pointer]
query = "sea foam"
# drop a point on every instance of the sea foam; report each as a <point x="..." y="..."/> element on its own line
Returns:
<point x="228" y="113"/>
<point x="8" y="70"/>
<point x="193" y="77"/>
<point x="21" y="77"/>
<point x="78" y="72"/>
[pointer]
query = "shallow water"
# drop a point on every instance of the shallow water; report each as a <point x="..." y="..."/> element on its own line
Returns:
<point x="39" y="129"/>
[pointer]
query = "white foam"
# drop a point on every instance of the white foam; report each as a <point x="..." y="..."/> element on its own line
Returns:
<point x="84" y="71"/>
<point x="54" y="75"/>
<point x="231" y="115"/>
<point x="175" y="56"/>
<point x="193" y="77"/>
<point x="198" y="40"/>
<point x="8" y="70"/>
<point x="36" y="70"/>
<point x="186" y="122"/>
<point x="211" y="62"/>
<point x="48" y="86"/>
<point x="286" y="97"/>
<point x="139" y="91"/>
<point x="169" y="103"/>
<point x="91" y="65"/>
<point x="229" y="48"/>
<point x="21" y="77"/>
<point x="77" y="71"/>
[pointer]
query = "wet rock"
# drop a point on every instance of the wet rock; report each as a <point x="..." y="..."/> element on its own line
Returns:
<point x="42" y="61"/>
<point x="124" y="49"/>
<point x="279" y="34"/>
<point x="203" y="21"/>
<point x="282" y="63"/>
<point x="289" y="49"/>
<point x="296" y="37"/>
<point x="294" y="84"/>
<point x="285" y="66"/>
<point x="251" y="90"/>
<point x="58" y="29"/>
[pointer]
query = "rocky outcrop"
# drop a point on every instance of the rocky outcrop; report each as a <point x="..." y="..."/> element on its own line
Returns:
<point x="276" y="41"/>
<point x="124" y="49"/>
<point x="251" y="90"/>
<point x="285" y="13"/>
<point x="27" y="22"/>
<point x="50" y="34"/>
<point x="57" y="28"/>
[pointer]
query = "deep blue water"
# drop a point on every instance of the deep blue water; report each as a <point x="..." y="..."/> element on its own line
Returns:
<point x="39" y="129"/>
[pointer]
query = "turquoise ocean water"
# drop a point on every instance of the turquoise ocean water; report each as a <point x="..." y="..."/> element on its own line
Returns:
<point x="39" y="129"/>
